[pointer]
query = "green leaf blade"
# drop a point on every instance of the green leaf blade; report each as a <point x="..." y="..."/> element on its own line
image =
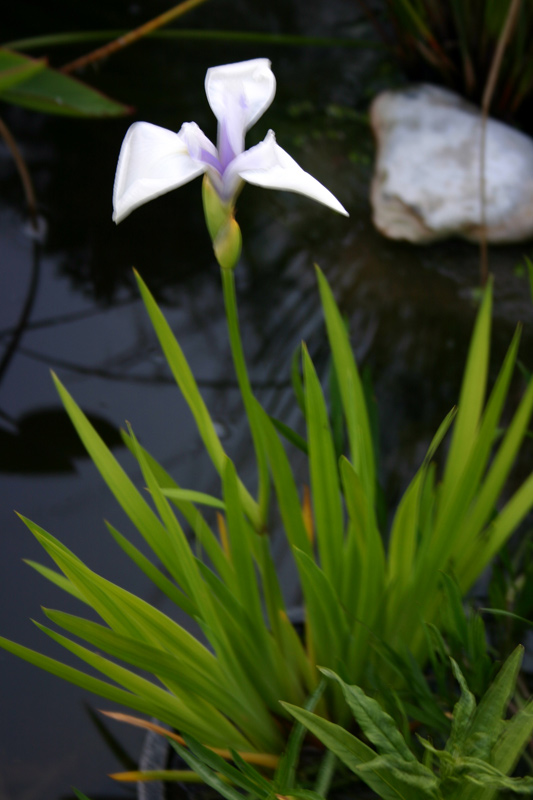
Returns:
<point x="360" y="759"/>
<point x="49" y="91"/>
<point x="325" y="489"/>
<point x="378" y="726"/>
<point x="16" y="69"/>
<point x="187" y="384"/>
<point x="351" y="389"/>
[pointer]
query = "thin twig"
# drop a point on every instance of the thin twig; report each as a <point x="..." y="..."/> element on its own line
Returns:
<point x="31" y="203"/>
<point x="22" y="322"/>
<point x="164" y="380"/>
<point x="65" y="319"/>
<point x="488" y="93"/>
<point x="132" y="36"/>
<point x="23" y="172"/>
<point x="380" y="30"/>
<point x="503" y="41"/>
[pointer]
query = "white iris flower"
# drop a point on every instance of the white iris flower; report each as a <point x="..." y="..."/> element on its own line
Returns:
<point x="154" y="160"/>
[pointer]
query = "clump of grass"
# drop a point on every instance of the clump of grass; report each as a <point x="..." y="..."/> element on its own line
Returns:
<point x="455" y="43"/>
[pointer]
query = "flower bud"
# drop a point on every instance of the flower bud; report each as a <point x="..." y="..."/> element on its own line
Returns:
<point x="222" y="226"/>
<point x="228" y="243"/>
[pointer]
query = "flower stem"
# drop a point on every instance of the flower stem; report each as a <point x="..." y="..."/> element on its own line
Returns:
<point x="239" y="362"/>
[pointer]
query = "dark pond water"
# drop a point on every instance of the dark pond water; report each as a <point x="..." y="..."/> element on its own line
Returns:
<point x="410" y="312"/>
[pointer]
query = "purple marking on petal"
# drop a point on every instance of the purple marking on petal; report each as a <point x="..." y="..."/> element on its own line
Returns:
<point x="210" y="160"/>
<point x="226" y="153"/>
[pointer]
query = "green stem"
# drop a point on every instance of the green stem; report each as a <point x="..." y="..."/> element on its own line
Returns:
<point x="326" y="773"/>
<point x="230" y="300"/>
<point x="239" y="37"/>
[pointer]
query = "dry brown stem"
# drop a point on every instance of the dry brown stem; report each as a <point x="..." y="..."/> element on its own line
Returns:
<point x="23" y="171"/>
<point x="505" y="35"/>
<point x="132" y="36"/>
<point x="261" y="759"/>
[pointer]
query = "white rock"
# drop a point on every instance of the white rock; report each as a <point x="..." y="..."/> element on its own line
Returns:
<point x="426" y="182"/>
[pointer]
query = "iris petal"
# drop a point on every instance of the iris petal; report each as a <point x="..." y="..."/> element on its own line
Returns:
<point x="268" y="165"/>
<point x="152" y="161"/>
<point x="238" y="95"/>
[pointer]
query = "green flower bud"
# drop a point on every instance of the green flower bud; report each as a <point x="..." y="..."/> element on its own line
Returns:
<point x="228" y="243"/>
<point x="222" y="226"/>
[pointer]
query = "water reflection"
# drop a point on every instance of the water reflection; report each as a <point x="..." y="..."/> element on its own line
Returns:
<point x="409" y="311"/>
<point x="44" y="441"/>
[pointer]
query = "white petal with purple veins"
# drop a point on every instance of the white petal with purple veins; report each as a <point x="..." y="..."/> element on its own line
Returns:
<point x="238" y="95"/>
<point x="154" y="160"/>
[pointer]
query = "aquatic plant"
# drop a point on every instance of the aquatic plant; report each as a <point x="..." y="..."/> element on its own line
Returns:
<point x="479" y="754"/>
<point x="362" y="599"/>
<point x="482" y="750"/>
<point x="154" y="160"/>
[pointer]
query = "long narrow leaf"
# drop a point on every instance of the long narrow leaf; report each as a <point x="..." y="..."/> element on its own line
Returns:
<point x="286" y="491"/>
<point x="79" y="678"/>
<point x="471" y="396"/>
<point x="57" y="579"/>
<point x="191" y="513"/>
<point x="363" y="589"/>
<point x="167" y="666"/>
<point x="323" y="470"/>
<point x="186" y="570"/>
<point x="190" y="714"/>
<point x="126" y="613"/>
<point x="155" y="575"/>
<point x="193" y="497"/>
<point x="246" y="588"/>
<point x="185" y="380"/>
<point x="128" y="497"/>
<point x="406" y="546"/>
<point x="326" y="619"/>
<point x="351" y="389"/>
<point x="199" y="765"/>
<point x="498" y="472"/>
<point x="286" y="771"/>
